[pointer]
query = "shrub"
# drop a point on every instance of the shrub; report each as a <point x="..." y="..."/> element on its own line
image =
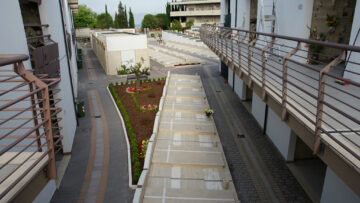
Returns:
<point x="122" y="83"/>
<point x="136" y="166"/>
<point x="154" y="80"/>
<point x="117" y="83"/>
<point x="159" y="79"/>
<point x="127" y="82"/>
<point x="135" y="101"/>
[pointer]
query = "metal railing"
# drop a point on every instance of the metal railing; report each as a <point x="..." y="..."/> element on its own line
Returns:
<point x="29" y="129"/>
<point x="307" y="83"/>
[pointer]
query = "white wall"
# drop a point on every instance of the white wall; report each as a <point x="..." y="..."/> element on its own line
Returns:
<point x="240" y="88"/>
<point x="223" y="11"/>
<point x="281" y="135"/>
<point x="293" y="19"/>
<point x="258" y="109"/>
<point x="46" y="194"/>
<point x="12" y="34"/>
<point x="126" y="42"/>
<point x="335" y="190"/>
<point x="243" y="14"/>
<point x="50" y="14"/>
<point x="230" y="77"/>
<point x="355" y="57"/>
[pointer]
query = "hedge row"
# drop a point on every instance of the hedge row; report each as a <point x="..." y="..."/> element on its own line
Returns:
<point x="135" y="162"/>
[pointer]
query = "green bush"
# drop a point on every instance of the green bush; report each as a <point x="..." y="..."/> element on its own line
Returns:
<point x="127" y="82"/>
<point x="159" y="79"/>
<point x="154" y="80"/>
<point x="117" y="83"/>
<point x="135" y="101"/>
<point x="122" y="83"/>
<point x="136" y="166"/>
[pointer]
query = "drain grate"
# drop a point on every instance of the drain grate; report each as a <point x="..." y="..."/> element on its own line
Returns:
<point x="241" y="135"/>
<point x="97" y="116"/>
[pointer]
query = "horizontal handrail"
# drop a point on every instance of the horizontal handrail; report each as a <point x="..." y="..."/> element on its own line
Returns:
<point x="300" y="79"/>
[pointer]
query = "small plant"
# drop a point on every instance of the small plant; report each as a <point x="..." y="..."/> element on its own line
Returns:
<point x="127" y="82"/>
<point x="143" y="147"/>
<point x="209" y="112"/>
<point x="121" y="83"/>
<point x="331" y="20"/>
<point x="159" y="79"/>
<point x="154" y="80"/>
<point x="117" y="83"/>
<point x="131" y="82"/>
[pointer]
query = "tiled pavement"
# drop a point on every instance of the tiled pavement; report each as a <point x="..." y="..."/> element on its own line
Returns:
<point x="273" y="183"/>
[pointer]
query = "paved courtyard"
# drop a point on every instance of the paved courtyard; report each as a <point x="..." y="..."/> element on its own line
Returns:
<point x="97" y="169"/>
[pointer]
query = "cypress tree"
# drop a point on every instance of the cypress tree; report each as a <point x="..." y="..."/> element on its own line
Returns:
<point x="131" y="20"/>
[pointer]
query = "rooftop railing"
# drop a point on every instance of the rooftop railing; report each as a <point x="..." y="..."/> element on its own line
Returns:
<point x="307" y="83"/>
<point x="29" y="129"/>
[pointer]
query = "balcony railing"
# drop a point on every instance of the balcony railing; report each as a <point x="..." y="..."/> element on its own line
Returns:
<point x="306" y="83"/>
<point x="29" y="129"/>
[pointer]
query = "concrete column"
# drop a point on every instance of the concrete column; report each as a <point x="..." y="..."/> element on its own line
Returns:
<point x="335" y="190"/>
<point x="258" y="110"/>
<point x="230" y="77"/>
<point x="240" y="88"/>
<point x="281" y="135"/>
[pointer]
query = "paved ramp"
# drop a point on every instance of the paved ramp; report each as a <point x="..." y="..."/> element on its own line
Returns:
<point x="188" y="163"/>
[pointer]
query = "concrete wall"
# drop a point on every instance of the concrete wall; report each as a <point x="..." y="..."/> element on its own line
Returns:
<point x="355" y="57"/>
<point x="281" y="135"/>
<point x="50" y="14"/>
<point x="335" y="190"/>
<point x="258" y="109"/>
<point x="240" y="88"/>
<point x="82" y="32"/>
<point x="126" y="42"/>
<point x="46" y="194"/>
<point x="230" y="77"/>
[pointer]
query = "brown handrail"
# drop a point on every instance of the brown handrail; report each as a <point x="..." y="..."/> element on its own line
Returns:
<point x="36" y="99"/>
<point x="300" y="78"/>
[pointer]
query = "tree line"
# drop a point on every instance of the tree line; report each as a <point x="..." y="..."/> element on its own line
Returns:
<point x="88" y="18"/>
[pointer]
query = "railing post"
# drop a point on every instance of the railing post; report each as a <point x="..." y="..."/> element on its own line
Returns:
<point x="284" y="82"/>
<point x="35" y="118"/>
<point x="19" y="69"/>
<point x="263" y="96"/>
<point x="320" y="101"/>
<point x="252" y="43"/>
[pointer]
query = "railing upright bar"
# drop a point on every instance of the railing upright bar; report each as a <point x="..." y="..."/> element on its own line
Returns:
<point x="37" y="132"/>
<point x="19" y="69"/>
<point x="251" y="44"/>
<point x="263" y="96"/>
<point x="320" y="99"/>
<point x="284" y="82"/>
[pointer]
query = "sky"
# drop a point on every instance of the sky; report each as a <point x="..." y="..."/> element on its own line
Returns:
<point x="138" y="7"/>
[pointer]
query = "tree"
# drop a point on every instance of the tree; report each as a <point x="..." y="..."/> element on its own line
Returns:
<point x="176" y="25"/>
<point x="162" y="20"/>
<point x="126" y="19"/>
<point x="138" y="70"/>
<point x="122" y="16"/>
<point x="131" y="20"/>
<point x="85" y="17"/>
<point x="116" y="20"/>
<point x="189" y="24"/>
<point x="150" y="21"/>
<point x="168" y="19"/>
<point x="104" y="20"/>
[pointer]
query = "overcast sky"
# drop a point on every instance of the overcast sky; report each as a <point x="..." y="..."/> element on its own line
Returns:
<point x="138" y="7"/>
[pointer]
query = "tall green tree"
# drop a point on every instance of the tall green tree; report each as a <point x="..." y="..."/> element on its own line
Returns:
<point x="131" y="20"/>
<point x="85" y="17"/>
<point x="162" y="20"/>
<point x="168" y="18"/>
<point x="176" y="25"/>
<point x="150" y="21"/>
<point x="104" y="20"/>
<point x="126" y="18"/>
<point x="122" y="16"/>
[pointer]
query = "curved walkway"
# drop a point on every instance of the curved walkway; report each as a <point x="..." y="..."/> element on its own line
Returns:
<point x="188" y="163"/>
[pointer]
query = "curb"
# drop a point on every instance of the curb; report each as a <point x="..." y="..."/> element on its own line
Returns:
<point x="139" y="192"/>
<point x="127" y="141"/>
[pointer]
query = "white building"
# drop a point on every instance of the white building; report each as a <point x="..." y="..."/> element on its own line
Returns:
<point x="44" y="31"/>
<point x="291" y="136"/>
<point x="119" y="47"/>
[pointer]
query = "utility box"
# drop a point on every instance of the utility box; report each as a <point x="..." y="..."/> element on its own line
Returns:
<point x="46" y="60"/>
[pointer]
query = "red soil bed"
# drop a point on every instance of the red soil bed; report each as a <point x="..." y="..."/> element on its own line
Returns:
<point x="142" y="122"/>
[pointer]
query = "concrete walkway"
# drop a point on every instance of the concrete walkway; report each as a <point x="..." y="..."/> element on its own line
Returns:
<point x="188" y="163"/>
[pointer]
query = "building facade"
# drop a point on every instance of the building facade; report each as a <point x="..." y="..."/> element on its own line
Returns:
<point x="276" y="70"/>
<point x="198" y="11"/>
<point x="117" y="48"/>
<point x="38" y="100"/>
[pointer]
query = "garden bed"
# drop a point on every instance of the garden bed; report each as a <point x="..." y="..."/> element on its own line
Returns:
<point x="139" y="121"/>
